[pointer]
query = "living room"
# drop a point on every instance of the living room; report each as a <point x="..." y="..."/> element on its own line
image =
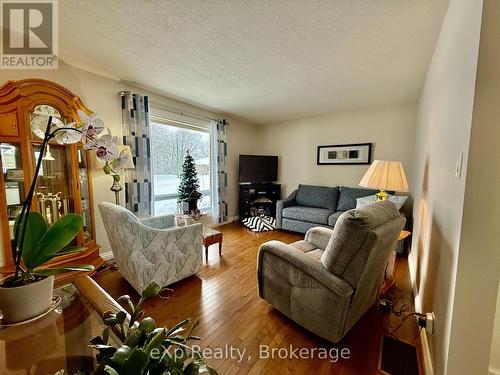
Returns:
<point x="412" y="84"/>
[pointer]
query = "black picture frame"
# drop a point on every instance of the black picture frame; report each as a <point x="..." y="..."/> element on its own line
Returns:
<point x="348" y="154"/>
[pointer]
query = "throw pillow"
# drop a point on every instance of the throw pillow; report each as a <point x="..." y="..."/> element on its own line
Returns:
<point x="365" y="201"/>
<point x="398" y="200"/>
<point x="348" y="195"/>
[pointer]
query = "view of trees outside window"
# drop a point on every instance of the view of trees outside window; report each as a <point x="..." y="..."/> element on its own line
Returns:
<point x="169" y="145"/>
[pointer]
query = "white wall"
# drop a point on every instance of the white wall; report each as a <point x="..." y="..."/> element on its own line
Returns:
<point x="241" y="140"/>
<point x="390" y="129"/>
<point x="478" y="267"/>
<point x="443" y="132"/>
<point x="100" y="94"/>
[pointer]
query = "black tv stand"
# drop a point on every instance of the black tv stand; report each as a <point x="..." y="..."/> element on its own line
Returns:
<point x="258" y="199"/>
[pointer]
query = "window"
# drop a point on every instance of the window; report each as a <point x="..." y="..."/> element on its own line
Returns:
<point x="170" y="139"/>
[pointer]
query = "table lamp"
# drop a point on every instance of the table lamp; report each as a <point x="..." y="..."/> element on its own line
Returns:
<point x="385" y="175"/>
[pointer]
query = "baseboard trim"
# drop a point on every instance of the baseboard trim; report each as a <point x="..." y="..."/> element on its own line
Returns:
<point x="228" y="221"/>
<point x="424" y="352"/>
<point x="108" y="255"/>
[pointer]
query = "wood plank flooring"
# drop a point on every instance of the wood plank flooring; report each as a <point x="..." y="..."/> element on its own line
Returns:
<point x="224" y="297"/>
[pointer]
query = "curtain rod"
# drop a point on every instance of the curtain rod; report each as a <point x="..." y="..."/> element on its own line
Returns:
<point x="175" y="110"/>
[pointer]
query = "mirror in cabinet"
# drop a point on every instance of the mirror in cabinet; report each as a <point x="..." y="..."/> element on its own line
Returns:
<point x="53" y="189"/>
<point x="13" y="181"/>
<point x="86" y="204"/>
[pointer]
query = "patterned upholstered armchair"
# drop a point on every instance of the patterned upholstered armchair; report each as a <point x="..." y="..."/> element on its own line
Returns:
<point x="152" y="249"/>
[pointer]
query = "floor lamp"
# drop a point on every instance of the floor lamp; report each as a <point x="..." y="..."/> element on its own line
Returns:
<point x="117" y="187"/>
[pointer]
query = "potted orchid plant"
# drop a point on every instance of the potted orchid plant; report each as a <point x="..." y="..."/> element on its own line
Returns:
<point x="28" y="292"/>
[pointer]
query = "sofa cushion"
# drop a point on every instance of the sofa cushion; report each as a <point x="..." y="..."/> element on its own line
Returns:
<point x="355" y="234"/>
<point x="317" y="196"/>
<point x="348" y="195"/>
<point x="310" y="214"/>
<point x="334" y="217"/>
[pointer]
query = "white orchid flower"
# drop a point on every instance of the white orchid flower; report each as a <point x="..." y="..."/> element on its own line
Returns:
<point x="92" y="126"/>
<point x="105" y="147"/>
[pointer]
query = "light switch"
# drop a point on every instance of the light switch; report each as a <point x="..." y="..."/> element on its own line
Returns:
<point x="458" y="166"/>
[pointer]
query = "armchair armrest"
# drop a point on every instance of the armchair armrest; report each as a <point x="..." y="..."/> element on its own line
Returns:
<point x="306" y="263"/>
<point x="319" y="237"/>
<point x="159" y="222"/>
<point x="282" y="204"/>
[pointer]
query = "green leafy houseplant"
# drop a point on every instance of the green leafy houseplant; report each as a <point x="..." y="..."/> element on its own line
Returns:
<point x="28" y="292"/>
<point x="42" y="244"/>
<point x="146" y="349"/>
<point x="34" y="243"/>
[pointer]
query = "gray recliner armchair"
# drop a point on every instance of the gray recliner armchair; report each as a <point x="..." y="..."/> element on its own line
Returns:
<point x="327" y="281"/>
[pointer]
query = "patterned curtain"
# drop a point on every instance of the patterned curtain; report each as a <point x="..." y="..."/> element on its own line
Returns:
<point x="219" y="141"/>
<point x="135" y="128"/>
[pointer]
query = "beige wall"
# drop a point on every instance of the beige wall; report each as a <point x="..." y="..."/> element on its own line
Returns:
<point x="390" y="129"/>
<point x="443" y="133"/>
<point x="478" y="267"/>
<point x="100" y="94"/>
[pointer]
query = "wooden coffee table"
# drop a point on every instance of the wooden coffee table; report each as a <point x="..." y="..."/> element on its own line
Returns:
<point x="210" y="237"/>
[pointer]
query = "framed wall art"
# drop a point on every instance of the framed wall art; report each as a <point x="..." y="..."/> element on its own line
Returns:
<point x="349" y="154"/>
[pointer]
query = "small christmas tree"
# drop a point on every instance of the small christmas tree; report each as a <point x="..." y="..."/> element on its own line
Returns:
<point x="190" y="184"/>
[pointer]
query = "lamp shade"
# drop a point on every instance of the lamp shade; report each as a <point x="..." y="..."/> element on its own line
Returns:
<point x="126" y="153"/>
<point x="385" y="175"/>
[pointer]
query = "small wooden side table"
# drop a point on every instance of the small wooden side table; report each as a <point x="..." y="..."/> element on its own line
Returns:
<point x="210" y="237"/>
<point x="391" y="266"/>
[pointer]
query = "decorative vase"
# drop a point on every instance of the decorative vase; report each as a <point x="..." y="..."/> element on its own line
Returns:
<point x="25" y="302"/>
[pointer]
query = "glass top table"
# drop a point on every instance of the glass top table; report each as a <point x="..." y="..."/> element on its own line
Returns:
<point x="59" y="340"/>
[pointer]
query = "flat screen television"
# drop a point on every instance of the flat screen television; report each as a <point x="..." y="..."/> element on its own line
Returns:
<point x="258" y="168"/>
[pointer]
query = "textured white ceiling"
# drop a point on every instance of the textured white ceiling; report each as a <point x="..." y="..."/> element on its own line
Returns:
<point x="263" y="61"/>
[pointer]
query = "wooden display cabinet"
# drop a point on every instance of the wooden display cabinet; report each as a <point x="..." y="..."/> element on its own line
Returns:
<point x="65" y="182"/>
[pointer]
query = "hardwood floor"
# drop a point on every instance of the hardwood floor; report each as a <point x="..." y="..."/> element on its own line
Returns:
<point x="224" y="297"/>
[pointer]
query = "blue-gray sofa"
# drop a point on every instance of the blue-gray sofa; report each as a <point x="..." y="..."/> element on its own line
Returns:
<point x="312" y="206"/>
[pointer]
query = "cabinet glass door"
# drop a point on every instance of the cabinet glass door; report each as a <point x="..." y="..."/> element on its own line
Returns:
<point x="53" y="189"/>
<point x="85" y="195"/>
<point x="13" y="176"/>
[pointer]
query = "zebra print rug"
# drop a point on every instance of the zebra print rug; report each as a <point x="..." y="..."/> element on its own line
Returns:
<point x="260" y="224"/>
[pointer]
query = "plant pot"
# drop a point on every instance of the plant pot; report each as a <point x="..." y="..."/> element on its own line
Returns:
<point x="193" y="205"/>
<point x="26" y="302"/>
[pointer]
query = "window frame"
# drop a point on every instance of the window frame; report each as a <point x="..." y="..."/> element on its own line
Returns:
<point x="173" y="120"/>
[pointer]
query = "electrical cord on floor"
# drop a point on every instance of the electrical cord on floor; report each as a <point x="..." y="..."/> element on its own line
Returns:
<point x="165" y="293"/>
<point x="391" y="333"/>
<point x="401" y="310"/>
<point x="389" y="305"/>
